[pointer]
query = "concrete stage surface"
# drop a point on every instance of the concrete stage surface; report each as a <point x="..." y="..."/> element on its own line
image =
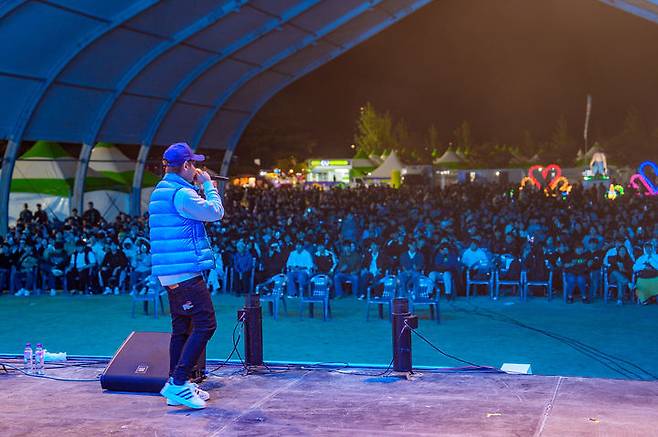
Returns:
<point x="302" y="401"/>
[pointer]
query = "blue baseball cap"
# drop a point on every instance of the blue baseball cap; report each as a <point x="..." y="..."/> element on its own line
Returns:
<point x="178" y="153"/>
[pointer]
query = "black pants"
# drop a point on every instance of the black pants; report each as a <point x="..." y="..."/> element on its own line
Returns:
<point x="190" y="307"/>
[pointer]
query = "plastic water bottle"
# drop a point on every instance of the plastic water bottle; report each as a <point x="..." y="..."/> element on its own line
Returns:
<point x="39" y="359"/>
<point x="28" y="360"/>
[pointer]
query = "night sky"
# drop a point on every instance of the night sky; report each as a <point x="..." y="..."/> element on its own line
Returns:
<point x="503" y="65"/>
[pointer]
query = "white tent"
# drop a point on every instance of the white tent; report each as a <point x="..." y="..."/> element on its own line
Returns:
<point x="44" y="174"/>
<point x="109" y="161"/>
<point x="376" y="160"/>
<point x="383" y="172"/>
<point x="448" y="157"/>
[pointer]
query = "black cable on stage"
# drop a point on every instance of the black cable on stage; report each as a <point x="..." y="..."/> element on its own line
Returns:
<point x="608" y="360"/>
<point x="583" y="348"/>
<point x="235" y="347"/>
<point x="615" y="367"/>
<point x="388" y="368"/>
<point x="54" y="378"/>
<point x="422" y="337"/>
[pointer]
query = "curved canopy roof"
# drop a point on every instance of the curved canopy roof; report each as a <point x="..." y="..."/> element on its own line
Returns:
<point x="155" y="72"/>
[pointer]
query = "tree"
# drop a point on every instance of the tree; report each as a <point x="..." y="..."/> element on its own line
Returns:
<point x="633" y="144"/>
<point x="462" y="136"/>
<point x="432" y="143"/>
<point x="562" y="144"/>
<point x="374" y="131"/>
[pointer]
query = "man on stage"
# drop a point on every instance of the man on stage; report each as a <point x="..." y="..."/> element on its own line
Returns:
<point x="180" y="253"/>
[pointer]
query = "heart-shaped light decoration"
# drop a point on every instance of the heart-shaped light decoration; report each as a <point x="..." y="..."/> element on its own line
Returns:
<point x="640" y="179"/>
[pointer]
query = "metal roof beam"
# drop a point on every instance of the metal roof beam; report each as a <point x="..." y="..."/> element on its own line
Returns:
<point x="647" y="9"/>
<point x="271" y="62"/>
<point x="195" y="74"/>
<point x="198" y="72"/>
<point x="33" y="101"/>
<point x="233" y="141"/>
<point x="206" y="21"/>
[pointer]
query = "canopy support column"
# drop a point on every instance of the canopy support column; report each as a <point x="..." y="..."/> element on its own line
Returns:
<point x="6" y="173"/>
<point x="138" y="177"/>
<point x="77" y="198"/>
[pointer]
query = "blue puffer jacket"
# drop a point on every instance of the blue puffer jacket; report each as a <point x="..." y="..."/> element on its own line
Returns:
<point x="178" y="245"/>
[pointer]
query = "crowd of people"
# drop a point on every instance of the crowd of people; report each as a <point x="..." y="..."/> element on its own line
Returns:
<point x="357" y="236"/>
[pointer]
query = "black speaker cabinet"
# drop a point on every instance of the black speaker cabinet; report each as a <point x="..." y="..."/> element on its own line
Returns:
<point x="142" y="364"/>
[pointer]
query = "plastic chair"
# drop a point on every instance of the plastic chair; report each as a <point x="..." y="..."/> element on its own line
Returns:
<point x="422" y="294"/>
<point x="390" y="283"/>
<point x="274" y="288"/>
<point x="607" y="285"/>
<point x="527" y="284"/>
<point x="318" y="292"/>
<point x="514" y="283"/>
<point x="470" y="282"/>
<point x="153" y="294"/>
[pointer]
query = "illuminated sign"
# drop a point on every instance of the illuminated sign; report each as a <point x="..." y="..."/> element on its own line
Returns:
<point x="329" y="163"/>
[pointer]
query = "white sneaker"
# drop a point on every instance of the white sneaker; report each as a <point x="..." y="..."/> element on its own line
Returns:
<point x="53" y="292"/>
<point x="204" y="395"/>
<point x="19" y="292"/>
<point x="142" y="292"/>
<point x="133" y="292"/>
<point x="116" y="291"/>
<point x="26" y="292"/>
<point x="107" y="291"/>
<point x="185" y="394"/>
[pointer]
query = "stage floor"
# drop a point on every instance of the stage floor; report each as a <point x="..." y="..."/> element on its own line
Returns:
<point x="320" y="402"/>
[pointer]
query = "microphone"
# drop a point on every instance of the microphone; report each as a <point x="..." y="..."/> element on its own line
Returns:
<point x="214" y="176"/>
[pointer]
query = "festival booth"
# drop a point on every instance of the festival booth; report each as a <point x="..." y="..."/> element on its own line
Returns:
<point x="45" y="174"/>
<point x="389" y="172"/>
<point x="446" y="166"/>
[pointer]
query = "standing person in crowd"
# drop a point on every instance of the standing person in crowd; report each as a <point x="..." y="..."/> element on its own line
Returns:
<point x="91" y="216"/>
<point x="113" y="269"/>
<point x="243" y="265"/>
<point x="25" y="215"/>
<point x="349" y="265"/>
<point x="376" y="265"/>
<point x="299" y="265"/>
<point x="646" y="269"/>
<point x="40" y="216"/>
<point x="180" y="254"/>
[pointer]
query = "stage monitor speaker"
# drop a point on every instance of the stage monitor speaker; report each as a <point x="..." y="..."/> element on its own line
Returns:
<point x="142" y="364"/>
